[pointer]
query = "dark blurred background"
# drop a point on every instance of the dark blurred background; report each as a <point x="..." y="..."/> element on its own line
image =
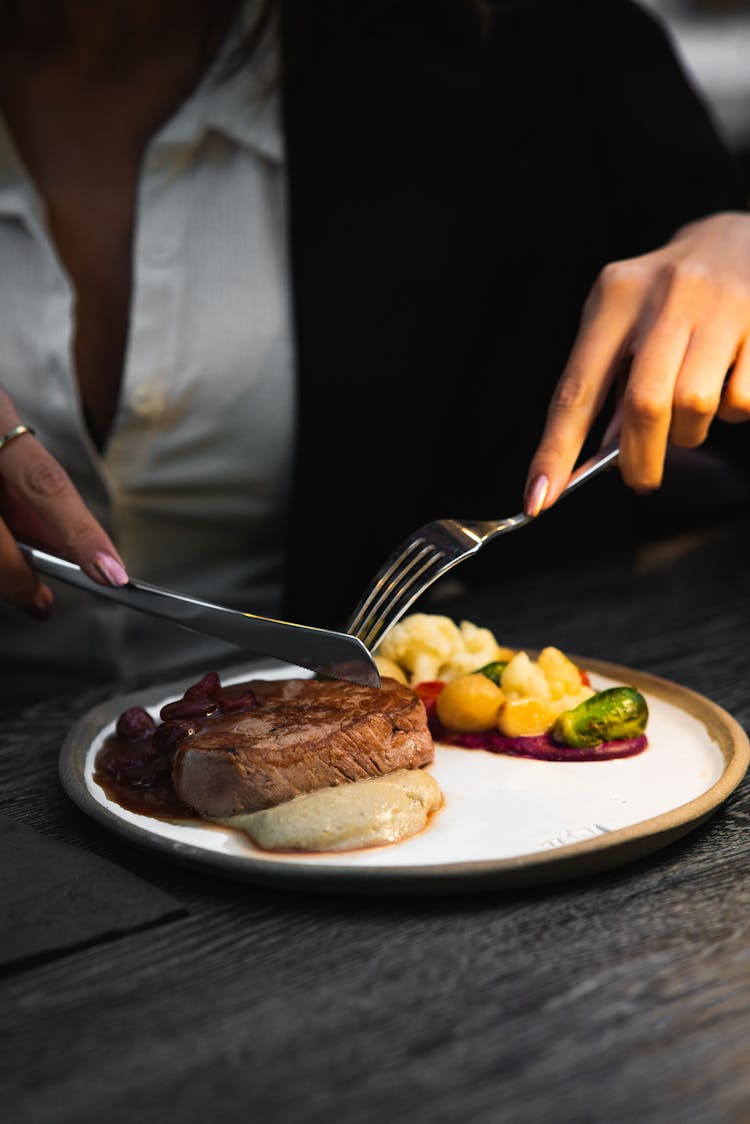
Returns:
<point x="713" y="39"/>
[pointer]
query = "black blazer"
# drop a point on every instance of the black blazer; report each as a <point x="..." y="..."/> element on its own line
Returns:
<point x="454" y="190"/>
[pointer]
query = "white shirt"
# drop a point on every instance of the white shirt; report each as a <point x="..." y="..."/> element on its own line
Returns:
<point x="193" y="483"/>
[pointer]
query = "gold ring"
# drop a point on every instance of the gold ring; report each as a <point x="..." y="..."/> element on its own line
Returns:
<point x="16" y="431"/>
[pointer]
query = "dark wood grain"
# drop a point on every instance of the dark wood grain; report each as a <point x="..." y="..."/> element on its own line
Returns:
<point x="621" y="997"/>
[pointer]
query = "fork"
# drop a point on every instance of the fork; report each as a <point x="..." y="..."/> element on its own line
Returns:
<point x="432" y="550"/>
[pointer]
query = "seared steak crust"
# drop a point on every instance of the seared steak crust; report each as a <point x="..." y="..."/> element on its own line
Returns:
<point x="305" y="734"/>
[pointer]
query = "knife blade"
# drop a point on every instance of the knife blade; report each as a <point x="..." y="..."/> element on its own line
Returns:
<point x="330" y="653"/>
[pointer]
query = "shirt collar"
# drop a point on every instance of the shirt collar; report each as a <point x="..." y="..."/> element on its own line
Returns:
<point x="244" y="105"/>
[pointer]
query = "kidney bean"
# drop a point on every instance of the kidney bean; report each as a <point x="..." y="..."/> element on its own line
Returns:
<point x="134" y="724"/>
<point x="170" y="734"/>
<point x="207" y="687"/>
<point x="189" y="708"/>
<point x="235" y="704"/>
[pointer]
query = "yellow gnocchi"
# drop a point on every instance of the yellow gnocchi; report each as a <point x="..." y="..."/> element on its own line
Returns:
<point x="522" y="718"/>
<point x="470" y="704"/>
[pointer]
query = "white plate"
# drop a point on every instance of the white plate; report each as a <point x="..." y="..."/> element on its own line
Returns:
<point x="505" y="820"/>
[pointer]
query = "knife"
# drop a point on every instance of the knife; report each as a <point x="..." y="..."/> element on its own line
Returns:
<point x="330" y="653"/>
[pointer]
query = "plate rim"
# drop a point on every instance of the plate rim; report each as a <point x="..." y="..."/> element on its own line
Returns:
<point x="555" y="864"/>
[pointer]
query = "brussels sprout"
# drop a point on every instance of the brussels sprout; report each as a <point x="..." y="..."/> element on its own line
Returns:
<point x="619" y="712"/>
<point x="493" y="670"/>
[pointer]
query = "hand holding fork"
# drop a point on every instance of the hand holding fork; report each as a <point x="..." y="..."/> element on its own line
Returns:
<point x="432" y="550"/>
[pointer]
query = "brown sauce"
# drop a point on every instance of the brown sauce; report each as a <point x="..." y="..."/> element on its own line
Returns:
<point x="155" y="796"/>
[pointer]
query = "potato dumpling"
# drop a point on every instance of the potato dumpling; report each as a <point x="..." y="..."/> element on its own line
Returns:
<point x="469" y="704"/>
<point x="428" y="647"/>
<point x="421" y="644"/>
<point x="570" y="702"/>
<point x="390" y="669"/>
<point x="523" y="679"/>
<point x="563" y="677"/>
<point x="524" y="718"/>
<point x="474" y="648"/>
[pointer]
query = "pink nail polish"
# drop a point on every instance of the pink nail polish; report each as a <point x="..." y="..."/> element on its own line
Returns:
<point x="536" y="494"/>
<point x="110" y="569"/>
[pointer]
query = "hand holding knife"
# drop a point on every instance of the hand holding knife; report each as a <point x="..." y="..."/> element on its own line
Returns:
<point x="330" y="653"/>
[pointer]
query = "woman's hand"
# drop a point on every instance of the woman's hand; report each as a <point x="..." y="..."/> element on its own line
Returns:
<point x="673" y="324"/>
<point x="38" y="502"/>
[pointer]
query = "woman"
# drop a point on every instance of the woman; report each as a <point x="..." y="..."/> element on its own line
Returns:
<point x="450" y="182"/>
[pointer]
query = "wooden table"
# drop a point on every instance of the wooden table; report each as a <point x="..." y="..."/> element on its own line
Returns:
<point x="621" y="997"/>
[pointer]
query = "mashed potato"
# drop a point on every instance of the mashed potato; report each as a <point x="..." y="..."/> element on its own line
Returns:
<point x="366" y="813"/>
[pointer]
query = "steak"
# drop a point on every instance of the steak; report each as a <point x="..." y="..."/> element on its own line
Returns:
<point x="304" y="734"/>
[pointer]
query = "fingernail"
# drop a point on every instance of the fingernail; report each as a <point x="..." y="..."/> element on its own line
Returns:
<point x="110" y="569"/>
<point x="536" y="494"/>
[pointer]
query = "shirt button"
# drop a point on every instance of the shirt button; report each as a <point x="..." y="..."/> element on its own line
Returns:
<point x="159" y="251"/>
<point x="147" y="401"/>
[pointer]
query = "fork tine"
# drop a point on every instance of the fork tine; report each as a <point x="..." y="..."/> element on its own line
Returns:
<point x="403" y="600"/>
<point x="401" y="593"/>
<point x="408" y="555"/>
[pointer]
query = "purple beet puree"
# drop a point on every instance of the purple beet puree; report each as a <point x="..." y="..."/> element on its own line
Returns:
<point x="542" y="747"/>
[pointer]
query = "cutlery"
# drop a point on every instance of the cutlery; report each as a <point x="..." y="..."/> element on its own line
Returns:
<point x="430" y="551"/>
<point x="337" y="654"/>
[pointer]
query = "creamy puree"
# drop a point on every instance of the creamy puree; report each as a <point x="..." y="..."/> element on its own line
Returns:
<point x="365" y="813"/>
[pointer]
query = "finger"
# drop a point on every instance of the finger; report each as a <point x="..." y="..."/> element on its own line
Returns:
<point x="647" y="403"/>
<point x="697" y="393"/>
<point x="594" y="361"/>
<point x="18" y="583"/>
<point x="734" y="405"/>
<point x="42" y="485"/>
